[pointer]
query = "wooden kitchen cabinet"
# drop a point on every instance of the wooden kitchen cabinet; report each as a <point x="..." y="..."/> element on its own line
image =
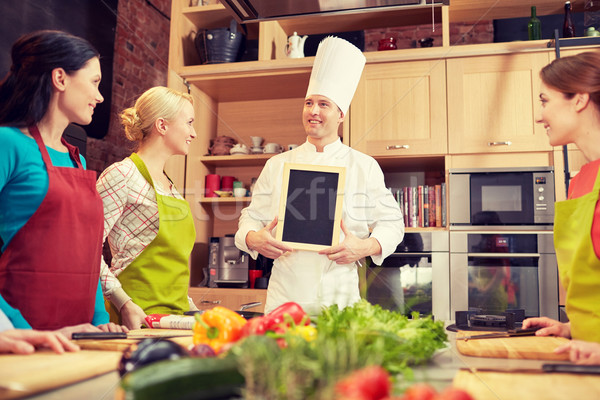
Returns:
<point x="439" y="103"/>
<point x="492" y="103"/>
<point x="400" y="109"/>
<point x="206" y="298"/>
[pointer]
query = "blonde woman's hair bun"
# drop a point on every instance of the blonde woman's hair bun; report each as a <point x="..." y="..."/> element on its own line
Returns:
<point x="132" y="124"/>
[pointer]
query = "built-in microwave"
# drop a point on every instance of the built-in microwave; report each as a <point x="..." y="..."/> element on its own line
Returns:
<point x="501" y="196"/>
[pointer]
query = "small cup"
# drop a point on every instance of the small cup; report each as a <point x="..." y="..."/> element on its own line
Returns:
<point x="272" y="148"/>
<point x="239" y="192"/>
<point x="212" y="183"/>
<point x="261" y="283"/>
<point x="238" y="184"/>
<point x="256" y="140"/>
<point x="227" y="183"/>
<point x="291" y="146"/>
<point x="253" y="274"/>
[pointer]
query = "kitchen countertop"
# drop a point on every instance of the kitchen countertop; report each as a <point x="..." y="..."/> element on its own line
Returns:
<point x="440" y="372"/>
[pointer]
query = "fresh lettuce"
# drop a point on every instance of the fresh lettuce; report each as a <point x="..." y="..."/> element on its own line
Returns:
<point x="404" y="341"/>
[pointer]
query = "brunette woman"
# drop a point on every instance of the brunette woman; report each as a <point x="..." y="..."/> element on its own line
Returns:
<point x="50" y="213"/>
<point x="570" y="112"/>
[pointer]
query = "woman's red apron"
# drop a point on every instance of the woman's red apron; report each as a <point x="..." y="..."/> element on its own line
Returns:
<point x="50" y="269"/>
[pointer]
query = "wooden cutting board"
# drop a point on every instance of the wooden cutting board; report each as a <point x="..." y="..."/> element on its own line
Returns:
<point x="505" y="385"/>
<point x="522" y="347"/>
<point x="184" y="338"/>
<point x="24" y="375"/>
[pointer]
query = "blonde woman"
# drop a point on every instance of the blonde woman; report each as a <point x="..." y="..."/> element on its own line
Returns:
<point x="148" y="224"/>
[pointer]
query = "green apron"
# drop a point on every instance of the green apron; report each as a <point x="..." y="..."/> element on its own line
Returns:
<point x="158" y="279"/>
<point x="578" y="265"/>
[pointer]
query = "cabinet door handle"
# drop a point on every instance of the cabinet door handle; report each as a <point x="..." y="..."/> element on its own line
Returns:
<point x="507" y="143"/>
<point x="397" y="146"/>
<point x="210" y="302"/>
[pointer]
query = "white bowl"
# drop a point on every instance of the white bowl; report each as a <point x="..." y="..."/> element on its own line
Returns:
<point x="239" y="192"/>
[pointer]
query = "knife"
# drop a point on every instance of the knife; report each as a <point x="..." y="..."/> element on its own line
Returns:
<point x="508" y="333"/>
<point x="572" y="368"/>
<point x="122" y="335"/>
<point x="545" y="368"/>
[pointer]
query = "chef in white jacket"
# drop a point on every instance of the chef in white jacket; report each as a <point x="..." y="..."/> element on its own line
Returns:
<point x="372" y="222"/>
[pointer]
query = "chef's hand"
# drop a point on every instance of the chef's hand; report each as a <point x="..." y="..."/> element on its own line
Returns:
<point x="132" y="315"/>
<point x="24" y="341"/>
<point x="549" y="327"/>
<point x="263" y="242"/>
<point x="352" y="248"/>
<point x="581" y="352"/>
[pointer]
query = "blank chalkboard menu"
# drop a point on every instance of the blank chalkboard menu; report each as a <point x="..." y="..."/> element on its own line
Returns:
<point x="94" y="20"/>
<point x="311" y="206"/>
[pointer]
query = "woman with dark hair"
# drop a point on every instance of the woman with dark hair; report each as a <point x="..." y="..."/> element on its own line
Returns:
<point x="51" y="216"/>
<point x="570" y="96"/>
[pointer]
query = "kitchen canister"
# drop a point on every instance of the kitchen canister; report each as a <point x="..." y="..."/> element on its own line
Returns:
<point x="227" y="183"/>
<point x="221" y="45"/>
<point x="212" y="183"/>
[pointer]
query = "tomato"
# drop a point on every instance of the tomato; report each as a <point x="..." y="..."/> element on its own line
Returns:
<point x="369" y="383"/>
<point x="452" y="393"/>
<point x="420" y="391"/>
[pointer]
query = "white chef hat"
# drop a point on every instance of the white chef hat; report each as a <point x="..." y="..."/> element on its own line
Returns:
<point x="336" y="71"/>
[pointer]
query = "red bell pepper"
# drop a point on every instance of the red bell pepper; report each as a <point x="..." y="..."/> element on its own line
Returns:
<point x="254" y="326"/>
<point x="277" y="316"/>
<point x="270" y="322"/>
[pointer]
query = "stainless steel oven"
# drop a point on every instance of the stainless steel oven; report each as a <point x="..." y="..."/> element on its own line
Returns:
<point x="501" y="270"/>
<point x="414" y="278"/>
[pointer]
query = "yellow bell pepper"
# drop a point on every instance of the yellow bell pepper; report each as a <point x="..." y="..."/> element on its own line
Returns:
<point x="217" y="327"/>
<point x="307" y="332"/>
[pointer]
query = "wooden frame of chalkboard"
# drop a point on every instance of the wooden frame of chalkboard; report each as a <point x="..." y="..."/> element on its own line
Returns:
<point x="310" y="210"/>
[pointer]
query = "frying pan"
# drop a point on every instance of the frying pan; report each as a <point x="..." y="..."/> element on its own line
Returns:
<point x="250" y="314"/>
<point x="242" y="311"/>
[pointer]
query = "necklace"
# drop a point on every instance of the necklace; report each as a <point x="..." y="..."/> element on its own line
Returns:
<point x="168" y="188"/>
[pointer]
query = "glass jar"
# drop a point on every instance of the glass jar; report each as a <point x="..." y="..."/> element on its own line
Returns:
<point x="387" y="44"/>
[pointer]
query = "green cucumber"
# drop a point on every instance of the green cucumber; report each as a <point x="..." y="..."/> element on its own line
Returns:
<point x="185" y="378"/>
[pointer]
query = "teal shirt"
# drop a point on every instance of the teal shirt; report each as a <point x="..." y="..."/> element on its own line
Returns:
<point x="23" y="186"/>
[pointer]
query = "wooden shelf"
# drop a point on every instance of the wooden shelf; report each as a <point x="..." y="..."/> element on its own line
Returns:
<point x="365" y="19"/>
<point x="208" y="17"/>
<point x="411" y="163"/>
<point x="251" y="80"/>
<point x="471" y="11"/>
<point x="251" y="160"/>
<point x="234" y="200"/>
<point x="428" y="229"/>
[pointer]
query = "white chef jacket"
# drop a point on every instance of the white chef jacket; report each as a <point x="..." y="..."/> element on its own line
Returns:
<point x="306" y="277"/>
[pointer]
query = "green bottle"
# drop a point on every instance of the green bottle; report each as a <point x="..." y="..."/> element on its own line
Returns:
<point x="534" y="27"/>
